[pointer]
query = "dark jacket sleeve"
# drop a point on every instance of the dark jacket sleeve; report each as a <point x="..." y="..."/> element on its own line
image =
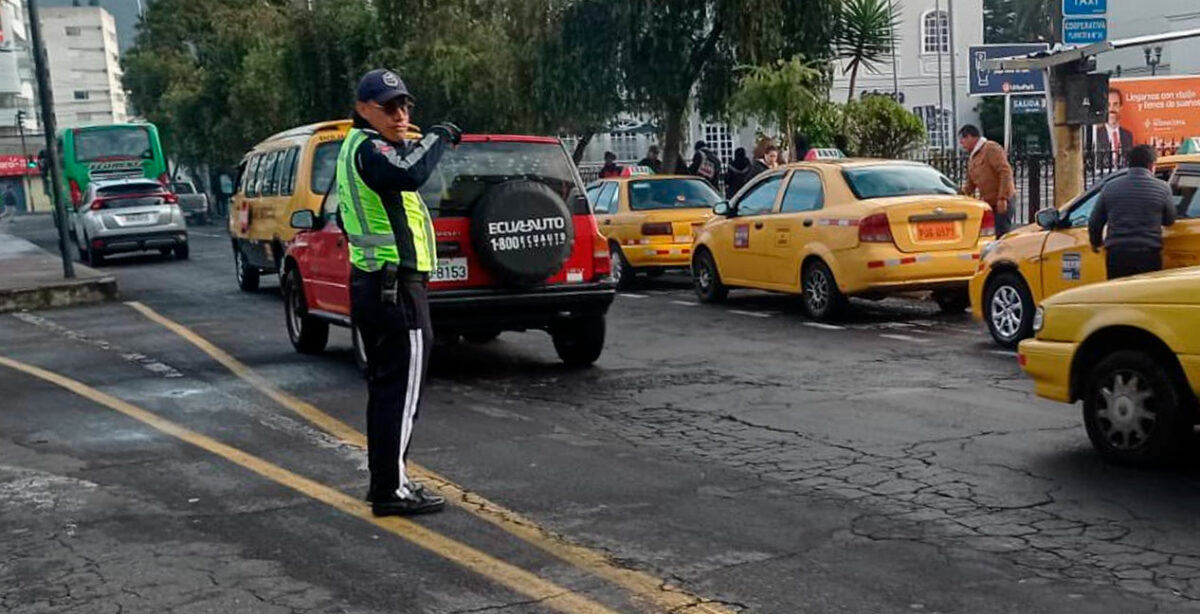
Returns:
<point x="1098" y="220"/>
<point x="1168" y="208"/>
<point x="386" y="167"/>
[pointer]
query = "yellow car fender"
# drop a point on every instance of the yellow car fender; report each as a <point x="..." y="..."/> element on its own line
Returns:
<point x="1135" y="316"/>
<point x="822" y="251"/>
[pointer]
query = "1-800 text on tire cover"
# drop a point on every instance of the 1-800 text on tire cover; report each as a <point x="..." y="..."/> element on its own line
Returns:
<point x="522" y="232"/>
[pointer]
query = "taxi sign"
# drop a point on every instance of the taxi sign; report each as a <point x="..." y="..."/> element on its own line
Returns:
<point x="637" y="171"/>
<point x="824" y="153"/>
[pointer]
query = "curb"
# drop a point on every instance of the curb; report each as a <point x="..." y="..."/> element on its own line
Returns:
<point x="63" y="294"/>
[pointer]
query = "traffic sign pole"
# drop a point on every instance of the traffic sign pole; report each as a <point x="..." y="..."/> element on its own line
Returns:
<point x="1008" y="122"/>
<point x="48" y="126"/>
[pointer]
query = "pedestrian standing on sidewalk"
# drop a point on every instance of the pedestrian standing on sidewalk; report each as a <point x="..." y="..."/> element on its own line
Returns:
<point x="706" y="164"/>
<point x="10" y="204"/>
<point x="652" y="160"/>
<point x="766" y="159"/>
<point x="392" y="250"/>
<point x="610" y="168"/>
<point x="989" y="174"/>
<point x="738" y="173"/>
<point x="1134" y="208"/>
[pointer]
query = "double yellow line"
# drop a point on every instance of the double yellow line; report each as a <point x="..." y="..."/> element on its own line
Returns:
<point x="653" y="593"/>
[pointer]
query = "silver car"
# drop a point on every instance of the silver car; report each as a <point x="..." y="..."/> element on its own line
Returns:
<point x="128" y="215"/>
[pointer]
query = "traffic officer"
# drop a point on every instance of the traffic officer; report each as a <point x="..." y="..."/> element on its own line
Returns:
<point x="392" y="249"/>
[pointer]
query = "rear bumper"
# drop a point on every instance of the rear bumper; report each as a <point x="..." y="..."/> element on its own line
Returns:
<point x="1049" y="364"/>
<point x="136" y="242"/>
<point x="518" y="309"/>
<point x="666" y="255"/>
<point x="868" y="269"/>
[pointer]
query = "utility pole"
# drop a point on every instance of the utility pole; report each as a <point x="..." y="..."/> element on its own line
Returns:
<point x="25" y="158"/>
<point x="954" y="75"/>
<point x="892" y="34"/>
<point x="49" y="126"/>
<point x="941" y="110"/>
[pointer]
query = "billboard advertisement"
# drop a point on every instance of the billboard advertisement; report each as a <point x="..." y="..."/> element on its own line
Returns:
<point x="1160" y="111"/>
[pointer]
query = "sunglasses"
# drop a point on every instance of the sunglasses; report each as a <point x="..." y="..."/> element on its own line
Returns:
<point x="394" y="106"/>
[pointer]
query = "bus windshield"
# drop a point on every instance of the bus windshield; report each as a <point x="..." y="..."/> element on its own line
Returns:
<point x="113" y="143"/>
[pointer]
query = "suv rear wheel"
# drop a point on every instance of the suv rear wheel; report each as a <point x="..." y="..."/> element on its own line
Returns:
<point x="579" y="341"/>
<point x="247" y="275"/>
<point x="1133" y="408"/>
<point x="308" y="335"/>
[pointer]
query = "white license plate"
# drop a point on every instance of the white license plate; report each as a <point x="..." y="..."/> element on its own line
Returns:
<point x="452" y="269"/>
<point x="137" y="218"/>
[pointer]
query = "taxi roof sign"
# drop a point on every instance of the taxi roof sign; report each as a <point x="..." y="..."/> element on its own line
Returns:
<point x="637" y="171"/>
<point x="824" y="153"/>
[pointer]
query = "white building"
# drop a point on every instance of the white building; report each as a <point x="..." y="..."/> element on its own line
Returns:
<point x="1127" y="19"/>
<point x="923" y="57"/>
<point x="16" y="71"/>
<point x="85" y="65"/>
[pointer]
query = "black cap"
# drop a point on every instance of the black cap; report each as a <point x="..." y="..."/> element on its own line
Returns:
<point x="381" y="85"/>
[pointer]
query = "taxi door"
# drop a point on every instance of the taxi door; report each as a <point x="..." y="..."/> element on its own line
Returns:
<point x="794" y="226"/>
<point x="1181" y="244"/>
<point x="746" y="244"/>
<point x="604" y="206"/>
<point x="1067" y="257"/>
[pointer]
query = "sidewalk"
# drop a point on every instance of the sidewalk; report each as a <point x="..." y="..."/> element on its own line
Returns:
<point x="32" y="278"/>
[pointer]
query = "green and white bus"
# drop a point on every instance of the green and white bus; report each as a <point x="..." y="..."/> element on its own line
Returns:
<point x="114" y="151"/>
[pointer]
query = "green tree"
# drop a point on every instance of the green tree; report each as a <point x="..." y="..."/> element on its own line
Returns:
<point x="865" y="36"/>
<point x="783" y="94"/>
<point x="879" y="127"/>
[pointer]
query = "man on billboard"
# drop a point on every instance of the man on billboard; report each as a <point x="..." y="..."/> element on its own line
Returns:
<point x="1111" y="142"/>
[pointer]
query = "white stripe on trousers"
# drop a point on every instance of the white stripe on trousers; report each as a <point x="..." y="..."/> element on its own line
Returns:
<point x="416" y="358"/>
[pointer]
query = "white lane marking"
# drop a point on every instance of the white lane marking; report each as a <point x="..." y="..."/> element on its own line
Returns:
<point x="823" y="326"/>
<point x="154" y="366"/>
<point x="752" y="314"/>
<point x="908" y="338"/>
<point x="205" y="234"/>
<point x="631" y="295"/>
<point x="1005" y="353"/>
<point x="686" y="303"/>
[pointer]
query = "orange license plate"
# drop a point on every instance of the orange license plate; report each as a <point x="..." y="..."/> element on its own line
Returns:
<point x="937" y="231"/>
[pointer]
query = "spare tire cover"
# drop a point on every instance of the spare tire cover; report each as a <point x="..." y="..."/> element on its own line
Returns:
<point x="522" y="232"/>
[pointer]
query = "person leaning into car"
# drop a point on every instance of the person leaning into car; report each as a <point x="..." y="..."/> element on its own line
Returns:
<point x="393" y="248"/>
<point x="1134" y="208"/>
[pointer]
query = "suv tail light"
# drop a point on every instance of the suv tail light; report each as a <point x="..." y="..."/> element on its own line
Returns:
<point x="875" y="229"/>
<point x="657" y="228"/>
<point x="601" y="257"/>
<point x="97" y="204"/>
<point x="76" y="193"/>
<point x="988" y="227"/>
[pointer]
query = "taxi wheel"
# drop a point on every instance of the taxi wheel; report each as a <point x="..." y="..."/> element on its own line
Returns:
<point x="307" y="334"/>
<point x="1132" y="409"/>
<point x="707" y="280"/>
<point x="1008" y="309"/>
<point x="622" y="272"/>
<point x="247" y="276"/>
<point x="822" y="298"/>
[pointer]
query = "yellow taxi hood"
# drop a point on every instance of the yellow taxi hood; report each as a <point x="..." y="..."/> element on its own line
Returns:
<point x="1171" y="287"/>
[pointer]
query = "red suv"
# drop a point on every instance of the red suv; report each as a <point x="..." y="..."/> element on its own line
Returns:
<point x="518" y="249"/>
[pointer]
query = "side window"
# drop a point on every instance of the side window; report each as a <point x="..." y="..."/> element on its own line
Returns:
<point x="251" y="180"/>
<point x="287" y="182"/>
<point x="761" y="198"/>
<point x="606" y="202"/>
<point x="329" y="207"/>
<point x="268" y="186"/>
<point x="1080" y="214"/>
<point x="592" y="193"/>
<point x="1185" y="189"/>
<point x="804" y="193"/>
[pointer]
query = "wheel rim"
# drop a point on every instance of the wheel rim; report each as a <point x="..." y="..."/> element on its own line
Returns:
<point x="1007" y="311"/>
<point x="704" y="276"/>
<point x="817" y="291"/>
<point x="294" y="308"/>
<point x="618" y="270"/>
<point x="240" y="271"/>
<point x="1123" y="412"/>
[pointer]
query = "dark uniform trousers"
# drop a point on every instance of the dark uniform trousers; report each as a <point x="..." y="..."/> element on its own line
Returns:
<point x="1129" y="262"/>
<point x="398" y="339"/>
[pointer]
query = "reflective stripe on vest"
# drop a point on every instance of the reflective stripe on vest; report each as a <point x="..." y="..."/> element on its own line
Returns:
<point x="367" y="225"/>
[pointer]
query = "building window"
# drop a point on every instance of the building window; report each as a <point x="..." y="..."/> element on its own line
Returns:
<point x="82" y="95"/>
<point x="719" y="140"/>
<point x="937" y="126"/>
<point x="935" y="32"/>
<point x="624" y="144"/>
<point x="73" y="31"/>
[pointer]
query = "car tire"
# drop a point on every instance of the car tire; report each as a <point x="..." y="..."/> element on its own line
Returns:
<point x="308" y="335"/>
<point x="182" y="251"/>
<point x="247" y="275"/>
<point x="1133" y="409"/>
<point x="1008" y="309"/>
<point x="481" y="337"/>
<point x="83" y="254"/>
<point x="579" y="341"/>
<point x="360" y="350"/>
<point x="95" y="258"/>
<point x="706" y="279"/>
<point x="952" y="301"/>
<point x="823" y="301"/>
<point x="623" y="273"/>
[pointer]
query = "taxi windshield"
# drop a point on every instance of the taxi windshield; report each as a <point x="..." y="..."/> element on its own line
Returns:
<point x="888" y="180"/>
<point x="650" y="194"/>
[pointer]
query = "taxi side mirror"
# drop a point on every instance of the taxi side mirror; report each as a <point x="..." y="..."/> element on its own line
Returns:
<point x="723" y="209"/>
<point x="304" y="220"/>
<point x="1048" y="218"/>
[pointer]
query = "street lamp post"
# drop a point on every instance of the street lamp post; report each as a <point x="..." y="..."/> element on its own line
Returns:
<point x="1153" y="58"/>
<point x="25" y="160"/>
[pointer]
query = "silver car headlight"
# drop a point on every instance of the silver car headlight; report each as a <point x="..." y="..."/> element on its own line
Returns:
<point x="1039" y="319"/>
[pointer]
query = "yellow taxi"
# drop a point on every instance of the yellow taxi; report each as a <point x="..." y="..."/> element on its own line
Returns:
<point x="649" y="220"/>
<point x="1037" y="261"/>
<point x="830" y="229"/>
<point x="1130" y="350"/>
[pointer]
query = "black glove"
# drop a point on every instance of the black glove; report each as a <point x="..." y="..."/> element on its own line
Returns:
<point x="448" y="131"/>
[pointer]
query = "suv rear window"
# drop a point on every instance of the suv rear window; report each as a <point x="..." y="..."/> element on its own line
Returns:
<point x="646" y="195"/>
<point x="467" y="171"/>
<point x="131" y="195"/>
<point x="897" y="180"/>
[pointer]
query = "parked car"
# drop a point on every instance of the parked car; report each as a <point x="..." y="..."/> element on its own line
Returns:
<point x="835" y="228"/>
<point x="129" y="215"/>
<point x="518" y="249"/>
<point x="194" y="204"/>
<point x="1130" y="350"/>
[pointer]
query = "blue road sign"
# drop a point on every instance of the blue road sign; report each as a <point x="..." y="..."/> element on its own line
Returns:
<point x="1026" y="105"/>
<point x="1084" y="7"/>
<point x="1084" y="30"/>
<point x="1001" y="82"/>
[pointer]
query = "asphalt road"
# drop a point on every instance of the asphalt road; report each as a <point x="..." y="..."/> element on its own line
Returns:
<point x="717" y="459"/>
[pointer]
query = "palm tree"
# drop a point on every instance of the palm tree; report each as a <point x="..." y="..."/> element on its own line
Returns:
<point x="866" y="35"/>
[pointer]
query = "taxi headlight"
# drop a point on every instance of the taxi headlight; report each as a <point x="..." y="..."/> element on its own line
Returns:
<point x="1039" y="319"/>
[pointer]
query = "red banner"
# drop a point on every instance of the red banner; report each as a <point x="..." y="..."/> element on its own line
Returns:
<point x="16" y="165"/>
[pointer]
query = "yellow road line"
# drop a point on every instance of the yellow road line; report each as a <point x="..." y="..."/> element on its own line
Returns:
<point x="514" y="578"/>
<point x="653" y="591"/>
